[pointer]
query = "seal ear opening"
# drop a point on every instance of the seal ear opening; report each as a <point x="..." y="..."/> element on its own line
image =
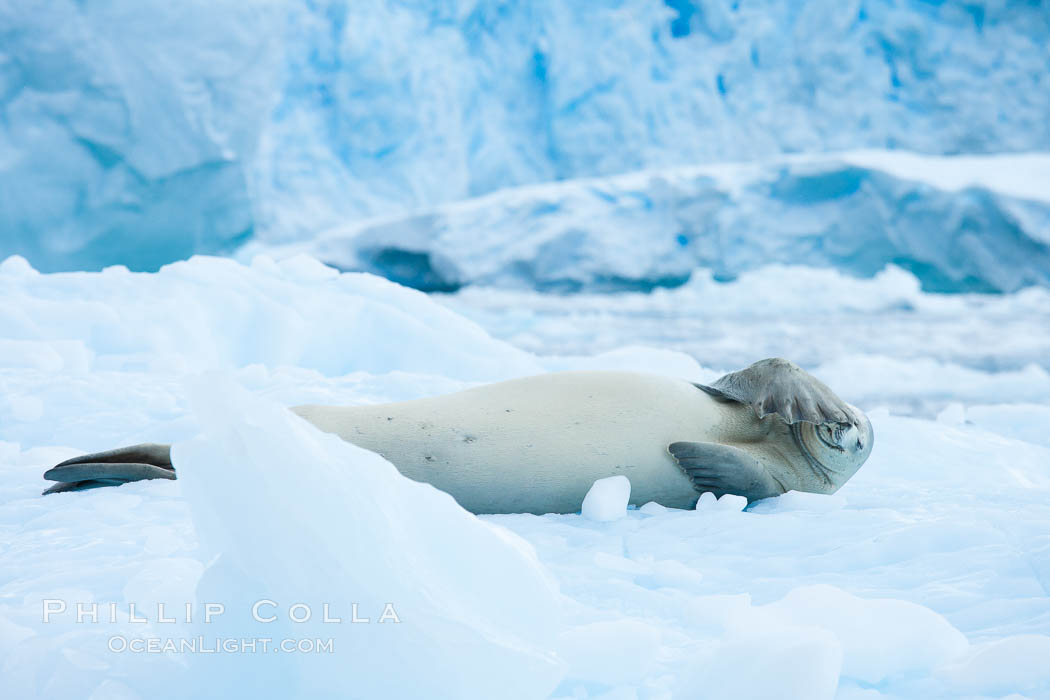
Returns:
<point x="777" y="386"/>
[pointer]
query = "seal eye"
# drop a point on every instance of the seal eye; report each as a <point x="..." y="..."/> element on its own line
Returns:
<point x="831" y="435"/>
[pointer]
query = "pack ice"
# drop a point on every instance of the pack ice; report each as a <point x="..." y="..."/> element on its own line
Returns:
<point x="926" y="576"/>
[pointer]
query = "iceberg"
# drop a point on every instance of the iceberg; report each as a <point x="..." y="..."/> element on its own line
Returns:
<point x="959" y="224"/>
<point x="140" y="133"/>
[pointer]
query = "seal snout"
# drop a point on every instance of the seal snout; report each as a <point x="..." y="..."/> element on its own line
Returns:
<point x="866" y="438"/>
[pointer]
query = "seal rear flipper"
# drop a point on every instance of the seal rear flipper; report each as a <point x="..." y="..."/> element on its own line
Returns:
<point x="62" y="487"/>
<point x="723" y="469"/>
<point x="145" y="453"/>
<point x="782" y="387"/>
<point x="112" y="468"/>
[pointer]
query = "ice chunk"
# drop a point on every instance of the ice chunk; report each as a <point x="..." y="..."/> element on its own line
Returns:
<point x="302" y="517"/>
<point x="1017" y="663"/>
<point x="296" y="312"/>
<point x="653" y="508"/>
<point x="880" y="638"/>
<point x="708" y="502"/>
<point x="607" y="499"/>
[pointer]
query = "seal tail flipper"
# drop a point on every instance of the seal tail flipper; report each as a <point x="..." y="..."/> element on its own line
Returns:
<point x="723" y="469"/>
<point x="778" y="386"/>
<point x="112" y="468"/>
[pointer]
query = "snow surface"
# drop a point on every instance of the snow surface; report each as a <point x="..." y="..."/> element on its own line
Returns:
<point x="158" y="129"/>
<point x="926" y="576"/>
<point x="965" y="223"/>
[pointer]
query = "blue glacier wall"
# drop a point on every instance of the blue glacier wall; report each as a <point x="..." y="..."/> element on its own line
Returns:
<point x="958" y="223"/>
<point x="141" y="132"/>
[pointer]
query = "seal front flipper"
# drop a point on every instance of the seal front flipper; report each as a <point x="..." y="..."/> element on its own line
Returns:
<point x="782" y="387"/>
<point x="112" y="468"/>
<point x="723" y="469"/>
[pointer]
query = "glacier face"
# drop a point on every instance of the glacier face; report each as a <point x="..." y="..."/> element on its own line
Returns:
<point x="128" y="131"/>
<point x="138" y="133"/>
<point x="418" y="103"/>
<point x="957" y="223"/>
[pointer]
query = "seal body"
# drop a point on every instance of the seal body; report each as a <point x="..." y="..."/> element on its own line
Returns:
<point x="536" y="444"/>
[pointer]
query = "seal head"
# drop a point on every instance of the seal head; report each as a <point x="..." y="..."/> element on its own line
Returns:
<point x="835" y="450"/>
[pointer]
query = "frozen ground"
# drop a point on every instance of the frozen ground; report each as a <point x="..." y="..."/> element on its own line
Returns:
<point x="927" y="576"/>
